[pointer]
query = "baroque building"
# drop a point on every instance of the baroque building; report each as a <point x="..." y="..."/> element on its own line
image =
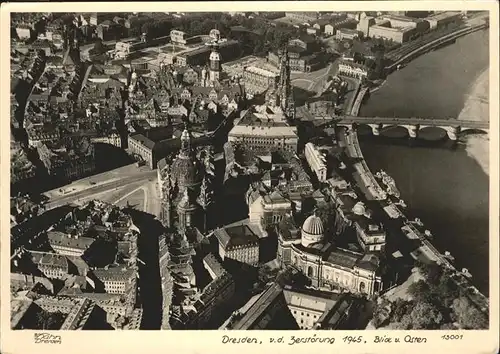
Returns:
<point x="328" y="266"/>
<point x="186" y="187"/>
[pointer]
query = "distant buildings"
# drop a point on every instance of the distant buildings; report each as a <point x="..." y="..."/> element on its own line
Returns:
<point x="23" y="31"/>
<point x="342" y="23"/>
<point x="302" y="53"/>
<point x="304" y="17"/>
<point x="178" y="37"/>
<point x="442" y="19"/>
<point x="400" y="28"/>
<point x="398" y="35"/>
<point x="345" y="33"/>
<point x="353" y="69"/>
<point x="229" y="50"/>
<point x="371" y="236"/>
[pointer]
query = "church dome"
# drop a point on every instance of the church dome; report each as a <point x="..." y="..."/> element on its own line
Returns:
<point x="312" y="230"/>
<point x="186" y="171"/>
<point x="359" y="208"/>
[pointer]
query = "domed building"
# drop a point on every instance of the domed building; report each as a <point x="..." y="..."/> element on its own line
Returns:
<point x="185" y="187"/>
<point x="327" y="266"/>
<point x="312" y="231"/>
<point x="186" y="170"/>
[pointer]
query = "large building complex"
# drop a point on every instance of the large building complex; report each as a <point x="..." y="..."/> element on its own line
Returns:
<point x="264" y="128"/>
<point x="326" y="265"/>
<point x="317" y="161"/>
<point x="258" y="80"/>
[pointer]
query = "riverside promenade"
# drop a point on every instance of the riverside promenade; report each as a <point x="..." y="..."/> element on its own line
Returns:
<point x="373" y="191"/>
<point x="434" y="44"/>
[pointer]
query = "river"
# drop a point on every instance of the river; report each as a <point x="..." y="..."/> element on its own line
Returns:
<point x="447" y="188"/>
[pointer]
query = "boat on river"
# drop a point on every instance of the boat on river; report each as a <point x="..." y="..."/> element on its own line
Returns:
<point x="389" y="183"/>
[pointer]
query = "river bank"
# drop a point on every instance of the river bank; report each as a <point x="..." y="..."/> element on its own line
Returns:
<point x="447" y="188"/>
<point x="476" y="107"/>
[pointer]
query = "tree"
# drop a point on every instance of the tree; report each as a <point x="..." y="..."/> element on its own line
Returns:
<point x="432" y="272"/>
<point x="267" y="274"/>
<point x="401" y="308"/>
<point x="419" y="291"/>
<point x="405" y="323"/>
<point x="424" y="315"/>
<point x="467" y="315"/>
<point x="447" y="290"/>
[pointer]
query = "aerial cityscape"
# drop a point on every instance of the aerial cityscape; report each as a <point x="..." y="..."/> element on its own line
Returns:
<point x="249" y="170"/>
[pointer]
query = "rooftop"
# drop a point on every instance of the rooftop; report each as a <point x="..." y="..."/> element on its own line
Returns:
<point x="60" y="239"/>
<point x="261" y="71"/>
<point x="49" y="259"/>
<point x="120" y="273"/>
<point x="211" y="262"/>
<point x="308" y="300"/>
<point x="259" y="307"/>
<point x="234" y="236"/>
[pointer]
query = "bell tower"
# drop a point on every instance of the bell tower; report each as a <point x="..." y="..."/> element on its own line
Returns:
<point x="186" y="141"/>
<point x="214" y="63"/>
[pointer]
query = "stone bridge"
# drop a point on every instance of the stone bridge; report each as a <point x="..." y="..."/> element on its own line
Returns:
<point x="453" y="127"/>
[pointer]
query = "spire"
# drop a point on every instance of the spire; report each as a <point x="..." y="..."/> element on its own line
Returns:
<point x="186" y="140"/>
<point x="285" y="92"/>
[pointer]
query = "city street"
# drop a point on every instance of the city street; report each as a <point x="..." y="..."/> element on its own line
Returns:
<point x="90" y="187"/>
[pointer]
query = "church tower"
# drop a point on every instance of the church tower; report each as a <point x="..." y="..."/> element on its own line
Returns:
<point x="214" y="63"/>
<point x="285" y="93"/>
<point x="186" y="142"/>
<point x="168" y="196"/>
<point x="205" y="200"/>
<point x="187" y="211"/>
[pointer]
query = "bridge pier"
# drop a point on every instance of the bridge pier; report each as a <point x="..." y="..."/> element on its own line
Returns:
<point x="413" y="131"/>
<point x="349" y="127"/>
<point x="453" y="133"/>
<point x="375" y="129"/>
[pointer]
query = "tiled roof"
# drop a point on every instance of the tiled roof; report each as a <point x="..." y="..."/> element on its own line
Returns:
<point x="49" y="259"/>
<point x="211" y="262"/>
<point x="308" y="301"/>
<point x="343" y="258"/>
<point x="121" y="273"/>
<point x="57" y="238"/>
<point x="233" y="236"/>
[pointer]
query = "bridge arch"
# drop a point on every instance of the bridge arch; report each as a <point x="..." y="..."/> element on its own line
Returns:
<point x="473" y="131"/>
<point x="385" y="128"/>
